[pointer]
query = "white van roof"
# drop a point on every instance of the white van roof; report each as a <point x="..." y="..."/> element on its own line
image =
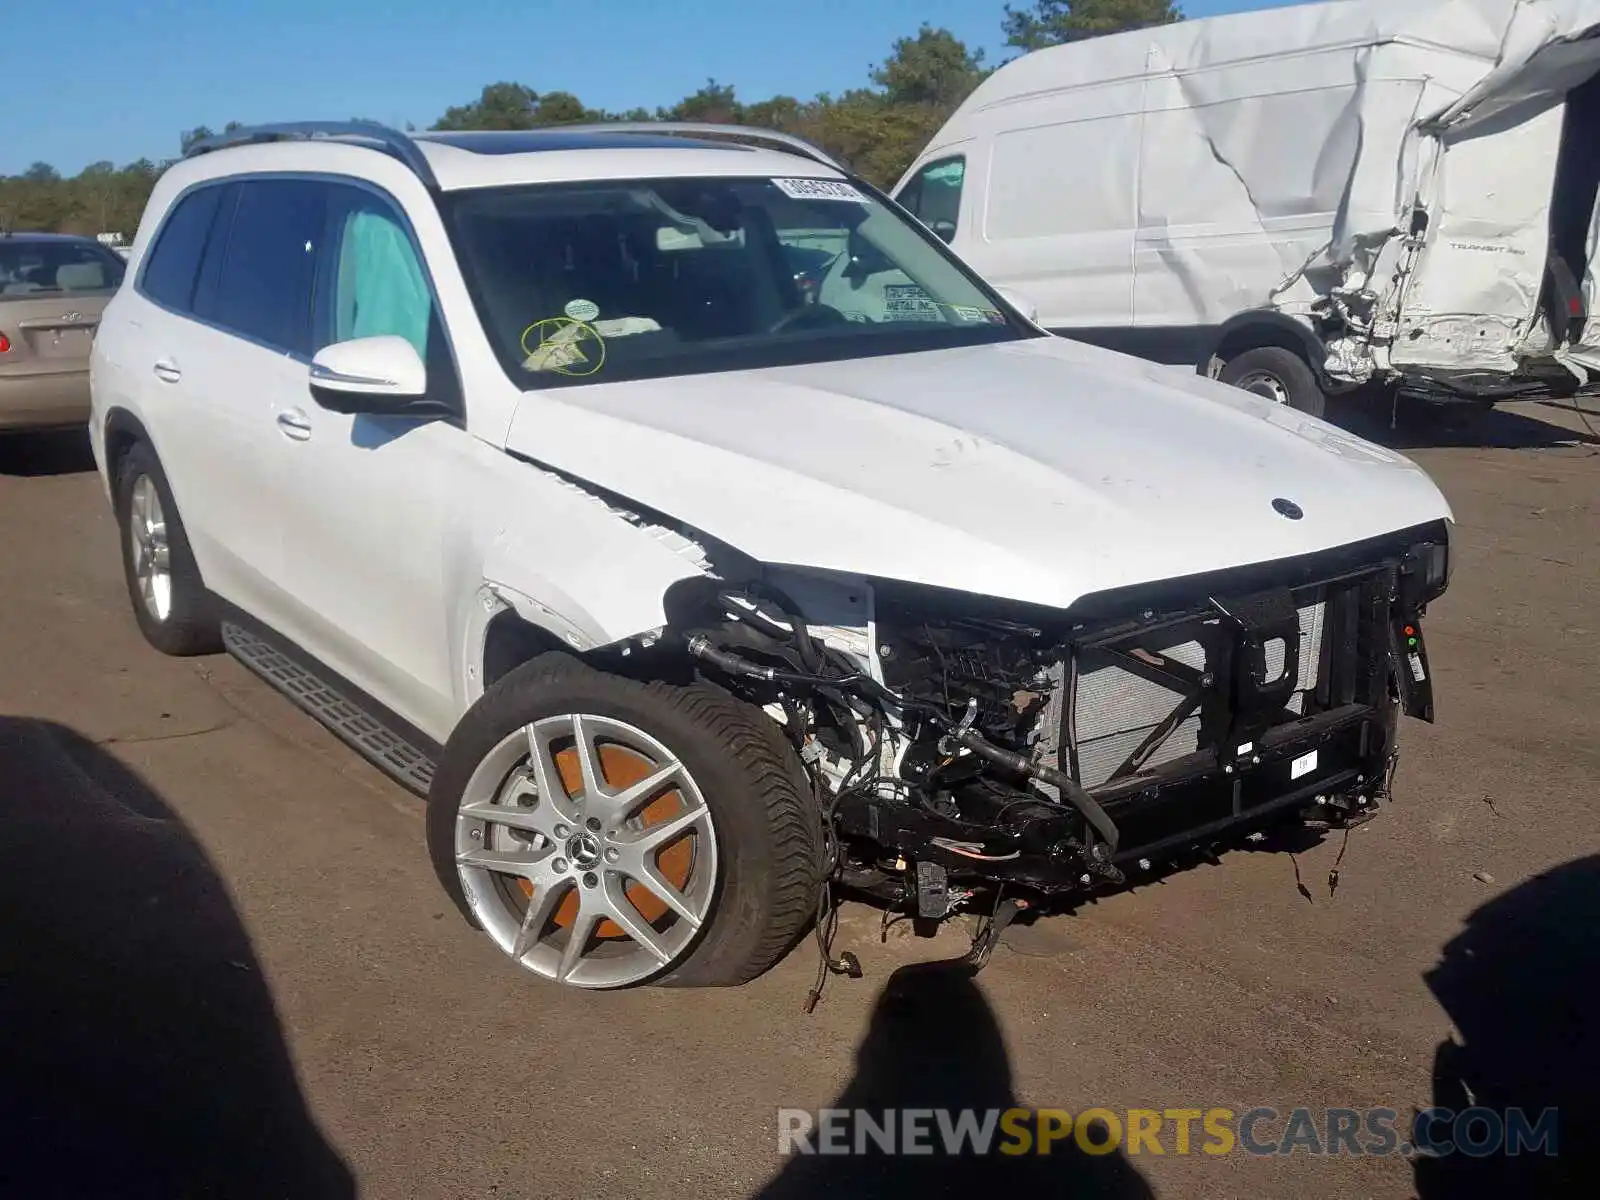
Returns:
<point x="1494" y="44"/>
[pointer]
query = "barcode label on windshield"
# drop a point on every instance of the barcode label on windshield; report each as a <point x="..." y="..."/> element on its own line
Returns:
<point x="819" y="189"/>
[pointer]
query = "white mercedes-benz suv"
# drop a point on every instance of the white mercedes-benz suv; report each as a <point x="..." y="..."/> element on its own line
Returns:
<point x="702" y="537"/>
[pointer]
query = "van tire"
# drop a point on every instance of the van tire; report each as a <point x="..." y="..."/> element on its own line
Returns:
<point x="1277" y="374"/>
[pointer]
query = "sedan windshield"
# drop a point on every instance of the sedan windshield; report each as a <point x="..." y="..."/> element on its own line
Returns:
<point x="594" y="282"/>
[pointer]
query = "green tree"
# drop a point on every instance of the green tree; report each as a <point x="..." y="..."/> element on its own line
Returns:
<point x="934" y="68"/>
<point x="42" y="172"/>
<point x="879" y="131"/>
<point x="563" y="108"/>
<point x="190" y="138"/>
<point x="97" y="186"/>
<point x="1052" y="22"/>
<point x="715" y="102"/>
<point x="500" y="106"/>
<point x="517" y="106"/>
<point x="781" y="112"/>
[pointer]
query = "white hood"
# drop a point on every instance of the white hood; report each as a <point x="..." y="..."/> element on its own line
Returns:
<point x="1040" y="470"/>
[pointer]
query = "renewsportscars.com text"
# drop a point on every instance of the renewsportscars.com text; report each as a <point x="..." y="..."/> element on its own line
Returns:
<point x="1262" y="1131"/>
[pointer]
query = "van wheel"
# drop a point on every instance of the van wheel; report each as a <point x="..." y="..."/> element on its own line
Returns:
<point x="606" y="832"/>
<point x="1279" y="375"/>
<point x="170" y="602"/>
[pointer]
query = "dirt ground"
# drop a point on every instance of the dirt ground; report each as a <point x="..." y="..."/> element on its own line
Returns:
<point x="226" y="968"/>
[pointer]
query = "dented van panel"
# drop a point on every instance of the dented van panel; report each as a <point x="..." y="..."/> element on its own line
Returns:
<point x="1411" y="182"/>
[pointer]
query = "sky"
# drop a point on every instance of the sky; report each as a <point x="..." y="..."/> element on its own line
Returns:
<point x="119" y="81"/>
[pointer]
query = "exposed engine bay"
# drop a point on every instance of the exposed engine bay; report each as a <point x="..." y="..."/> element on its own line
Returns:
<point x="959" y="744"/>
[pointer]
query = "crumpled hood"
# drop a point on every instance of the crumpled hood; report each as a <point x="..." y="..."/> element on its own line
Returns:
<point x="1040" y="470"/>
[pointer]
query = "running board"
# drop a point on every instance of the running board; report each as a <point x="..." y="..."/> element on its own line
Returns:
<point x="375" y="740"/>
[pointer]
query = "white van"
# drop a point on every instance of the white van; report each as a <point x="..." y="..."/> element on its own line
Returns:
<point x="1299" y="201"/>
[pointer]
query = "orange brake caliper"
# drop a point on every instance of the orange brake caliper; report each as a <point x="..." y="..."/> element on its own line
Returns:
<point x="622" y="767"/>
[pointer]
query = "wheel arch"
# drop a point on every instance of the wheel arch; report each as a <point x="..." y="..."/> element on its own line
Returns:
<point x="1265" y="327"/>
<point x="626" y="569"/>
<point x="121" y="432"/>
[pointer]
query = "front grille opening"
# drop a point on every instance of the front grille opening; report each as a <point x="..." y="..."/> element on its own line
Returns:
<point x="1149" y="698"/>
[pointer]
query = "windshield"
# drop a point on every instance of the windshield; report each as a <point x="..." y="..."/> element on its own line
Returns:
<point x="595" y="282"/>
<point x="31" y="267"/>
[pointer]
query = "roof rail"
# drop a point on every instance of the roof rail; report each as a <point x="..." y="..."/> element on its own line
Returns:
<point x="702" y="128"/>
<point x="381" y="137"/>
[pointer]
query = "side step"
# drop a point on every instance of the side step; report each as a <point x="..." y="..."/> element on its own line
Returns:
<point x="389" y="751"/>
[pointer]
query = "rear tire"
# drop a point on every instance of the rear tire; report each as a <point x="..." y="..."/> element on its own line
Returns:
<point x="170" y="603"/>
<point x="763" y="832"/>
<point x="1279" y="375"/>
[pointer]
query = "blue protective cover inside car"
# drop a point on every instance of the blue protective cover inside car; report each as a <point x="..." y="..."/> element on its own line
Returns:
<point x="381" y="287"/>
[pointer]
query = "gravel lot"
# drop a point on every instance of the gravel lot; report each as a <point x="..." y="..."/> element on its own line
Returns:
<point x="226" y="968"/>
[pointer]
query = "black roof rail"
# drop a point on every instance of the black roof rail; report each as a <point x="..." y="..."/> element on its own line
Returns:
<point x="707" y="128"/>
<point x="370" y="133"/>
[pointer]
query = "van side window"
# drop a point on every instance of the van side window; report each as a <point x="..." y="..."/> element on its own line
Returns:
<point x="933" y="195"/>
<point x="265" y="288"/>
<point x="174" y="261"/>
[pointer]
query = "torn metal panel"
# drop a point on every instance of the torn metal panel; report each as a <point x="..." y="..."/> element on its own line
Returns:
<point x="1283" y="157"/>
<point x="1474" y="296"/>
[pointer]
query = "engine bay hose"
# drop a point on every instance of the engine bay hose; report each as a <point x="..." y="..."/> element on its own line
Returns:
<point x="1075" y="794"/>
<point x="701" y="647"/>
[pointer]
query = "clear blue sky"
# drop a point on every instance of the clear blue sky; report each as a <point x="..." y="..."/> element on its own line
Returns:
<point x="118" y="81"/>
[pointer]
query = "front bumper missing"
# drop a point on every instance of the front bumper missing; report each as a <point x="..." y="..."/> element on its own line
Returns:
<point x="1244" y="744"/>
<point x="1165" y="814"/>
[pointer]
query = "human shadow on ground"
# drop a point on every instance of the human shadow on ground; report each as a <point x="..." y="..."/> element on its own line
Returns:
<point x="62" y="452"/>
<point x="933" y="1043"/>
<point x="140" y="1052"/>
<point x="1519" y="983"/>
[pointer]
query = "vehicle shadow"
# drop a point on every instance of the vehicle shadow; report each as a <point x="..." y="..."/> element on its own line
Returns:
<point x="140" y="1052"/>
<point x="1519" y="985"/>
<point x="933" y="1043"/>
<point x="1418" y="426"/>
<point x="63" y="452"/>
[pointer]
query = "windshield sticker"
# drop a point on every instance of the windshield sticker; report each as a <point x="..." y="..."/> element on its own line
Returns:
<point x="615" y="327"/>
<point x="819" y="189"/>
<point x="967" y="313"/>
<point x="582" y="310"/>
<point x="564" y="347"/>
<point x="908" y="302"/>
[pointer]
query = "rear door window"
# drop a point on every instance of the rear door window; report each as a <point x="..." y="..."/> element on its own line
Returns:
<point x="216" y="253"/>
<point x="174" y="261"/>
<point x="264" y="291"/>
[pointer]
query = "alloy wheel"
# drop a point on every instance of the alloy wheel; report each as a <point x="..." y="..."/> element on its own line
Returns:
<point x="151" y="553"/>
<point x="586" y="851"/>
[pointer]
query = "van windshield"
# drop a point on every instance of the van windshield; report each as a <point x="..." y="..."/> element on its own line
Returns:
<point x="596" y="282"/>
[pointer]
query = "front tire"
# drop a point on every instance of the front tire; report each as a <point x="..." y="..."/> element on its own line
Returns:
<point x="170" y="602"/>
<point x="1279" y="375"/>
<point x="607" y="832"/>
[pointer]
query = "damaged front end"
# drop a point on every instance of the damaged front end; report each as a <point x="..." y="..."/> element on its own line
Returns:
<point x="959" y="744"/>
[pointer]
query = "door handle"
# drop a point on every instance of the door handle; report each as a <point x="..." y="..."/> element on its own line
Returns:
<point x="167" y="371"/>
<point x="294" y="424"/>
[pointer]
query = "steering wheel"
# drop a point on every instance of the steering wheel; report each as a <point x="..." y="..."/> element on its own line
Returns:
<point x="810" y="316"/>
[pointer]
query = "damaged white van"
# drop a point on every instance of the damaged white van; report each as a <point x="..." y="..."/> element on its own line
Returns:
<point x="1299" y="201"/>
<point x="700" y="536"/>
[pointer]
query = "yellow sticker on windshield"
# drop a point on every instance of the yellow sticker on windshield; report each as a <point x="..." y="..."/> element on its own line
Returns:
<point x="565" y="347"/>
